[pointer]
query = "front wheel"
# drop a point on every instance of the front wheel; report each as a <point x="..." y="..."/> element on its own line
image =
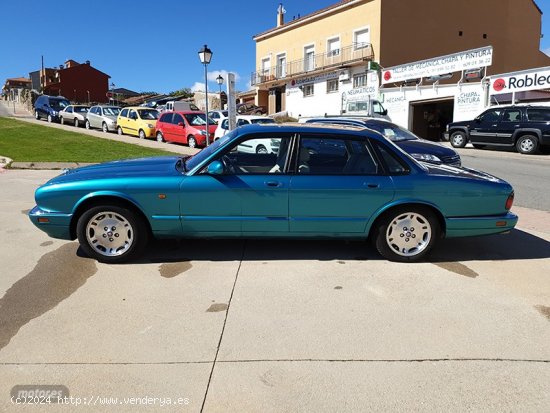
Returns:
<point x="406" y="234"/>
<point x="119" y="131"/>
<point x="191" y="141"/>
<point x="458" y="140"/>
<point x="261" y="149"/>
<point x="111" y="233"/>
<point x="527" y="144"/>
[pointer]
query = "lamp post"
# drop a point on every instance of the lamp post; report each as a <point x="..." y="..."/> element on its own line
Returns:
<point x="219" y="79"/>
<point x="205" y="55"/>
<point x="88" y="92"/>
<point x="112" y="93"/>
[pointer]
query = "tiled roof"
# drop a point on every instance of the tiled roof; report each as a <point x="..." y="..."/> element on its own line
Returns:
<point x="19" y="79"/>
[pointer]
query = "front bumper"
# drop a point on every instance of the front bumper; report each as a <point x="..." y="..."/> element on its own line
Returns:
<point x="55" y="224"/>
<point x="473" y="226"/>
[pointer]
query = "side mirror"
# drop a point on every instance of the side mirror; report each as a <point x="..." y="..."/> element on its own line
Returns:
<point x="180" y="124"/>
<point x="215" y="168"/>
<point x="385" y="112"/>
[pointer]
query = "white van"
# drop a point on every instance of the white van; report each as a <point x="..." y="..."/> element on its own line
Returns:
<point x="180" y="105"/>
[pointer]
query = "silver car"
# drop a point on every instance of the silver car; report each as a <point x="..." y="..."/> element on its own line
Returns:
<point x="102" y="117"/>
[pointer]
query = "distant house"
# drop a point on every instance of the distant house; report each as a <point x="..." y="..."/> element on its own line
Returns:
<point x="78" y="82"/>
<point x="13" y="87"/>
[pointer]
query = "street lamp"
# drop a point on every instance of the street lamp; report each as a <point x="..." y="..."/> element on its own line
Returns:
<point x="219" y="79"/>
<point x="88" y="92"/>
<point x="112" y="94"/>
<point x="205" y="55"/>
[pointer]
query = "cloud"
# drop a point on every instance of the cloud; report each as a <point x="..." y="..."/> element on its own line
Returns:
<point x="213" y="75"/>
<point x="198" y="87"/>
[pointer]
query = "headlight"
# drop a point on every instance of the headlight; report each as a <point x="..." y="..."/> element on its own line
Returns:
<point x="425" y="157"/>
<point x="447" y="127"/>
<point x="203" y="132"/>
<point x="150" y="126"/>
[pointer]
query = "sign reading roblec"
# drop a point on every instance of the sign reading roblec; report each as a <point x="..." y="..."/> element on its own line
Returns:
<point x="531" y="79"/>
<point x="456" y="62"/>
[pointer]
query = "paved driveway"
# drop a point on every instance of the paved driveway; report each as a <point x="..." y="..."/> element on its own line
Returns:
<point x="261" y="326"/>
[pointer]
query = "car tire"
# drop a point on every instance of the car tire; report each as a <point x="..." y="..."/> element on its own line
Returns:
<point x="76" y="123"/>
<point x="61" y="120"/>
<point x="87" y="125"/>
<point x="475" y="145"/>
<point x="119" y="131"/>
<point x="141" y="134"/>
<point x="50" y="119"/>
<point x="261" y="149"/>
<point x="98" y="239"/>
<point x="191" y="141"/>
<point x="36" y="115"/>
<point x="458" y="140"/>
<point x="406" y="234"/>
<point x="527" y="144"/>
<point x="104" y="127"/>
<point x="160" y="138"/>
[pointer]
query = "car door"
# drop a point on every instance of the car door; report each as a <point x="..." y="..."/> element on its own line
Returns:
<point x="250" y="197"/>
<point x="178" y="129"/>
<point x="132" y="122"/>
<point x="484" y="127"/>
<point x="510" y="121"/>
<point x="92" y="116"/>
<point x="339" y="184"/>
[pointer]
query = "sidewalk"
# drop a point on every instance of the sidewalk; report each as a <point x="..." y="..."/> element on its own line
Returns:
<point x="14" y="110"/>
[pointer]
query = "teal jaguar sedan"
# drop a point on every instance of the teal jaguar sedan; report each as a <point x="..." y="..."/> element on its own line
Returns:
<point x="321" y="181"/>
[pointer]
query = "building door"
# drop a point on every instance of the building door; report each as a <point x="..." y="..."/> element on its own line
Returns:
<point x="429" y="118"/>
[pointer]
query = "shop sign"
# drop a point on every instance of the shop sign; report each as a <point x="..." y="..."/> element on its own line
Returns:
<point x="455" y="62"/>
<point x="532" y="79"/>
<point x="468" y="104"/>
<point x="313" y="79"/>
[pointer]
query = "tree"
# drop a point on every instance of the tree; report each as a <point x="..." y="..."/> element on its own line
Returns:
<point x="185" y="93"/>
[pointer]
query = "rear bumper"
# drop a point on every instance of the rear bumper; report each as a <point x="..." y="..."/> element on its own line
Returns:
<point x="57" y="225"/>
<point x="472" y="226"/>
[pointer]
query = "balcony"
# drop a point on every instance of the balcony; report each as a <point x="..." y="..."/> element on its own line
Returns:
<point x="314" y="64"/>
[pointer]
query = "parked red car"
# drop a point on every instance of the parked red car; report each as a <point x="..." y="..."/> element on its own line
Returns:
<point x="186" y="127"/>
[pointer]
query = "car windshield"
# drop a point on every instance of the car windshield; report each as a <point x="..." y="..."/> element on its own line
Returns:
<point x="81" y="109"/>
<point x="148" y="114"/>
<point x="194" y="161"/>
<point x="59" y="104"/>
<point x="198" y="119"/>
<point x="111" y="111"/>
<point x="262" y="120"/>
<point x="393" y="132"/>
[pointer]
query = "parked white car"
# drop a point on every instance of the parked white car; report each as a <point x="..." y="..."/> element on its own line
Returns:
<point x="75" y="114"/>
<point x="218" y="115"/>
<point x="223" y="126"/>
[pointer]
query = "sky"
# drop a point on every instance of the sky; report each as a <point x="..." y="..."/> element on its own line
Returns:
<point x="150" y="45"/>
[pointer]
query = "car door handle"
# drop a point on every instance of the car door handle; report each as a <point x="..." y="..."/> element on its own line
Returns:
<point x="372" y="186"/>
<point x="273" y="184"/>
<point x="495" y="125"/>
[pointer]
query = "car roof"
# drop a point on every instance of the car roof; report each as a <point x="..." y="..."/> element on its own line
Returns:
<point x="252" y="117"/>
<point x="303" y="127"/>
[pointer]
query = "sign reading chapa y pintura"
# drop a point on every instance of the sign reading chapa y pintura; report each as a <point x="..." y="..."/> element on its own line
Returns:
<point x="531" y="79"/>
<point x="470" y="59"/>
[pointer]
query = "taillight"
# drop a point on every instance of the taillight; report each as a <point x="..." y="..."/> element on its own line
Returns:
<point x="509" y="201"/>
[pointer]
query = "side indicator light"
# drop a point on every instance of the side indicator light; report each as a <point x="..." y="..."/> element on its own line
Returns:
<point x="43" y="220"/>
<point x="162" y="196"/>
<point x="501" y="223"/>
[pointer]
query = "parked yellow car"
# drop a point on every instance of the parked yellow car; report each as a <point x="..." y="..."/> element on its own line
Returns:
<point x="138" y="121"/>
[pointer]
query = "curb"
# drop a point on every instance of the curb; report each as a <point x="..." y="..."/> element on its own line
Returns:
<point x="47" y="165"/>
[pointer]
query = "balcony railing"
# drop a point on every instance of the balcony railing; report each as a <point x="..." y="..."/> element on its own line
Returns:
<point x="314" y="63"/>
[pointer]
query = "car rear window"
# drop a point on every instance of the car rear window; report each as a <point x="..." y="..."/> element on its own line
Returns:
<point x="538" y="115"/>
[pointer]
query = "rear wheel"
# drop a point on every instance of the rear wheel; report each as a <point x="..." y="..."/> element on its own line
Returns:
<point x="458" y="139"/>
<point x="76" y="123"/>
<point x="261" y="149"/>
<point x="406" y="234"/>
<point x="527" y="144"/>
<point x="104" y="127"/>
<point x="111" y="233"/>
<point x="160" y="138"/>
<point x="141" y="134"/>
<point x="119" y="131"/>
<point x="191" y="141"/>
<point x="36" y="115"/>
<point x="61" y="120"/>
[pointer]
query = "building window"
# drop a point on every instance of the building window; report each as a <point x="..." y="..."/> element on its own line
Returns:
<point x="281" y="65"/>
<point x="333" y="46"/>
<point x="361" y="38"/>
<point x="307" y="90"/>
<point x="332" y="85"/>
<point x="265" y="66"/>
<point x="309" y="58"/>
<point x="360" y="80"/>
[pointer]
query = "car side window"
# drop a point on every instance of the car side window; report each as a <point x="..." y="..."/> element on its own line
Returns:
<point x="538" y="115"/>
<point x="241" y="122"/>
<point x="511" y="115"/>
<point x="124" y="113"/>
<point x="177" y="119"/>
<point x="166" y="118"/>
<point x="257" y="155"/>
<point x="132" y="114"/>
<point x="491" y="115"/>
<point x="393" y="164"/>
<point x="69" y="109"/>
<point x="98" y="111"/>
<point x="321" y="156"/>
<point x="225" y="124"/>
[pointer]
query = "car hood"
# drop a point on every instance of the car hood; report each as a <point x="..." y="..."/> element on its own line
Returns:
<point x="460" y="172"/>
<point x="461" y="123"/>
<point x="424" y="146"/>
<point x="142" y="167"/>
